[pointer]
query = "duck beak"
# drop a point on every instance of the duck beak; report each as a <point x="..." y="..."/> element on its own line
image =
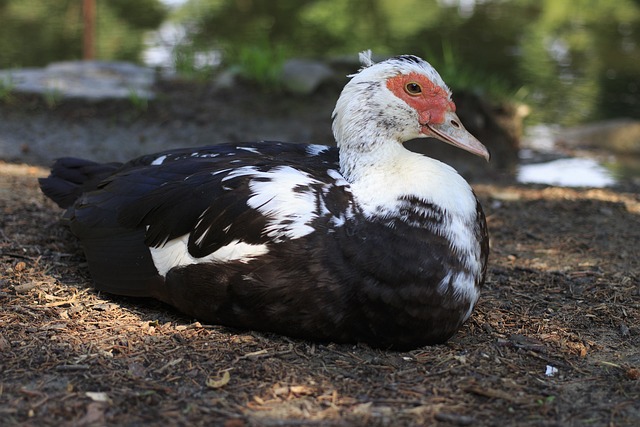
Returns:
<point x="452" y="132"/>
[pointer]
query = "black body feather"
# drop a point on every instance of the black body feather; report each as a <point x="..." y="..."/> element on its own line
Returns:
<point x="373" y="281"/>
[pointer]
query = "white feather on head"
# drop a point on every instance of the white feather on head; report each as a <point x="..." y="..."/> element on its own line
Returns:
<point x="365" y="61"/>
<point x="365" y="58"/>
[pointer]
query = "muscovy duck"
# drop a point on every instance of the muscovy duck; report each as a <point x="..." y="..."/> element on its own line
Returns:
<point x="367" y="242"/>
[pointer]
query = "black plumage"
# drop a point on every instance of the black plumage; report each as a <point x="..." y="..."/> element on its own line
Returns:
<point x="363" y="243"/>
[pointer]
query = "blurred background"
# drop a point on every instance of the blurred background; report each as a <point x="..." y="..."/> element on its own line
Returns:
<point x="574" y="64"/>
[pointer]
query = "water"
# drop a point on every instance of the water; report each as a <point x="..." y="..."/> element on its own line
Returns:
<point x="547" y="156"/>
<point x="570" y="172"/>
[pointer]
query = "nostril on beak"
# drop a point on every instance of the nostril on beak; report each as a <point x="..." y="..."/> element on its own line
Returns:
<point x="455" y="124"/>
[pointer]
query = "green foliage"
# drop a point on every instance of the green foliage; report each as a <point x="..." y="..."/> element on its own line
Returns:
<point x="186" y="63"/>
<point x="139" y="14"/>
<point x="43" y="24"/>
<point x="580" y="58"/>
<point x="572" y="61"/>
<point x="260" y="64"/>
<point x="459" y="76"/>
<point x="52" y="30"/>
<point x="549" y="400"/>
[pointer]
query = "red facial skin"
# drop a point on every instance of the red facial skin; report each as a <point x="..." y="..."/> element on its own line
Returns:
<point x="431" y="103"/>
<point x="436" y="112"/>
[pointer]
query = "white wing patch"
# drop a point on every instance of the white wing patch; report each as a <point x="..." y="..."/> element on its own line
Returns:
<point x="159" y="160"/>
<point x="249" y="149"/>
<point x="280" y="195"/>
<point x="315" y="149"/>
<point x="173" y="157"/>
<point x="284" y="195"/>
<point x="174" y="253"/>
<point x="204" y="155"/>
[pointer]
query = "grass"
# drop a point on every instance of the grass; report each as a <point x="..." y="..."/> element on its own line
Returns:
<point x="140" y="103"/>
<point x="7" y="86"/>
<point x="52" y="97"/>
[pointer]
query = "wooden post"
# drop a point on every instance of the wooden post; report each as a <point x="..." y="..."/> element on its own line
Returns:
<point x="89" y="29"/>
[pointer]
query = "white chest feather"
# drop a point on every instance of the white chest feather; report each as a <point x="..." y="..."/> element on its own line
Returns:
<point x="412" y="175"/>
<point x="382" y="194"/>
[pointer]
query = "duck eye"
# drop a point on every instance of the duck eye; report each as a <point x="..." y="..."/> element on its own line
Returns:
<point x="413" y="88"/>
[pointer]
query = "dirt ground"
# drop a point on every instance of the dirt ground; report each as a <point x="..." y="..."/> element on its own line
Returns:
<point x="555" y="340"/>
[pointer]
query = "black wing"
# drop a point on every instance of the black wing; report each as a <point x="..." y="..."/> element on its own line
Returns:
<point x="160" y="197"/>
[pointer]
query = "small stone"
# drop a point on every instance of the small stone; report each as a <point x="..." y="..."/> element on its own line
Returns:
<point x="226" y="79"/>
<point x="457" y="419"/>
<point x="624" y="330"/>
<point x="633" y="374"/>
<point x="303" y="76"/>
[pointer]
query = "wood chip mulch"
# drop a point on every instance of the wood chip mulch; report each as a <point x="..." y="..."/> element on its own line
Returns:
<point x="555" y="340"/>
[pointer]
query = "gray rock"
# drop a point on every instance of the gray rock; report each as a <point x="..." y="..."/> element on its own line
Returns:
<point x="303" y="76"/>
<point x="226" y="79"/>
<point x="92" y="80"/>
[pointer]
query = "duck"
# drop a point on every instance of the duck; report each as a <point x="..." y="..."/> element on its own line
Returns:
<point x="361" y="241"/>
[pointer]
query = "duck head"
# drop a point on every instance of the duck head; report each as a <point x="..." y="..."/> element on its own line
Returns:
<point x="388" y="103"/>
